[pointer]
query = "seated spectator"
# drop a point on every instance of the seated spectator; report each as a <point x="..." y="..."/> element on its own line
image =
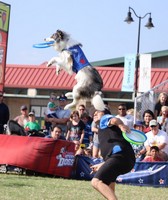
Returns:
<point x="163" y="119"/>
<point x="157" y="137"/>
<point x="148" y="115"/>
<point x="56" y="133"/>
<point x="162" y="101"/>
<point x="23" y="118"/>
<point x="154" y="155"/>
<point x="32" y="124"/>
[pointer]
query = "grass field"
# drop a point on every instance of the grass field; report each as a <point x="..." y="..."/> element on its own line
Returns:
<point x="21" y="187"/>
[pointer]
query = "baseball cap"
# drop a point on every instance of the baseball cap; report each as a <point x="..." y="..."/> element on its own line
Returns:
<point x="153" y="122"/>
<point x="31" y="113"/>
<point x="23" y="107"/>
<point x="62" y="97"/>
<point x="138" y="123"/>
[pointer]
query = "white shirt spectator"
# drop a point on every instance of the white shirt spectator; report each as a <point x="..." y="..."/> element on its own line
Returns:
<point x="158" y="139"/>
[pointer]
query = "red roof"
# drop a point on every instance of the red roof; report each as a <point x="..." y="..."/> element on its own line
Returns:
<point x="41" y="77"/>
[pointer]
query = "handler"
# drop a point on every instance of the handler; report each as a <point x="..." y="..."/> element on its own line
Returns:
<point x="117" y="153"/>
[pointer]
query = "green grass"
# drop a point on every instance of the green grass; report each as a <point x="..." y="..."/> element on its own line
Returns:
<point x="21" y="187"/>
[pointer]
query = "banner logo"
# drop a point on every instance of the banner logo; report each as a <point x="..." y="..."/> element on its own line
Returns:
<point x="65" y="158"/>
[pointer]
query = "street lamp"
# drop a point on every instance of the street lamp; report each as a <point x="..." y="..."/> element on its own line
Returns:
<point x="149" y="25"/>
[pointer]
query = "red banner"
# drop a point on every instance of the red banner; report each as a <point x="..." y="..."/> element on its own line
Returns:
<point x="4" y="27"/>
<point x="3" y="47"/>
<point x="43" y="155"/>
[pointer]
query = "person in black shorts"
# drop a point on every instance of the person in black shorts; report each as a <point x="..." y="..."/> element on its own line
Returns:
<point x="117" y="153"/>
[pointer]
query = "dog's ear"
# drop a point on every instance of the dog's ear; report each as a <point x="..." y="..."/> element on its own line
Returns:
<point x="60" y="34"/>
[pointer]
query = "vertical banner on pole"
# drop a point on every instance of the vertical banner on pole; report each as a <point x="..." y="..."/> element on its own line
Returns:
<point x="129" y="73"/>
<point x="4" y="27"/>
<point x="145" y="73"/>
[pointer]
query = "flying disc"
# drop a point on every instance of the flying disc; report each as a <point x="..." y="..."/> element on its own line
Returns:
<point x="135" y="137"/>
<point x="43" y="45"/>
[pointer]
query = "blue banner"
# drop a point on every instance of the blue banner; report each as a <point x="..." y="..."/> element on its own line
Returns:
<point x="146" y="174"/>
<point x="129" y="73"/>
<point x="143" y="174"/>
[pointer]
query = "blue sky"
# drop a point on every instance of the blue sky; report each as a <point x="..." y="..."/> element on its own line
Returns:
<point x="98" y="24"/>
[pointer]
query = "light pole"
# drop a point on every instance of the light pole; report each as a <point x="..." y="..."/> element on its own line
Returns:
<point x="149" y="25"/>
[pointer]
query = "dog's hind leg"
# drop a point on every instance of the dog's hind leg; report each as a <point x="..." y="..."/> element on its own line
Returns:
<point x="75" y="95"/>
<point x="97" y="101"/>
<point x="69" y="94"/>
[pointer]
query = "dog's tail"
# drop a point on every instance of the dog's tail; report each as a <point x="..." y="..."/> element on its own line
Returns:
<point x="97" y="101"/>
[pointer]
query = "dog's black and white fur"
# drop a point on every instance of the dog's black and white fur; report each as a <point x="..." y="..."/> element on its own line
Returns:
<point x="72" y="59"/>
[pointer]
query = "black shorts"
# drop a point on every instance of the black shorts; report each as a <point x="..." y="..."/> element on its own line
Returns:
<point x="113" y="167"/>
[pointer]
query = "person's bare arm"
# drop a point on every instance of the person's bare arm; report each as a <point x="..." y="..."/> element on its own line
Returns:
<point x="82" y="136"/>
<point x="119" y="123"/>
<point x="57" y="121"/>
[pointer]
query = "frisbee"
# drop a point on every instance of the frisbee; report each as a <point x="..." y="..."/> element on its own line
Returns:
<point x="135" y="137"/>
<point x="43" y="45"/>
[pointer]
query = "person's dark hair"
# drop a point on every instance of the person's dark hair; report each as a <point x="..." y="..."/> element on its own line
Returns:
<point x="75" y="112"/>
<point x="56" y="126"/>
<point x="85" y="115"/>
<point x="123" y="105"/>
<point x="149" y="112"/>
<point x="154" y="147"/>
<point x="82" y="105"/>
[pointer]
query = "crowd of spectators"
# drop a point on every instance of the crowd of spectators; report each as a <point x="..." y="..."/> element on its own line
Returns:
<point x="78" y="126"/>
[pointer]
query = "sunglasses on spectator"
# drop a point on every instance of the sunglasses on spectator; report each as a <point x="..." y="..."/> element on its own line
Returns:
<point x="121" y="109"/>
<point x="82" y="109"/>
<point x="153" y="126"/>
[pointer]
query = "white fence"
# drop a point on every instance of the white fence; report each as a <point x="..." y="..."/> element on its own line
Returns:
<point x="148" y="99"/>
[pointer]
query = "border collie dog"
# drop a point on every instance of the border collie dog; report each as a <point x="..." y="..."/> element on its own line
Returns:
<point x="72" y="59"/>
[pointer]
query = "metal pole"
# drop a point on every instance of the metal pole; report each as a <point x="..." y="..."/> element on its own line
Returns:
<point x="137" y="59"/>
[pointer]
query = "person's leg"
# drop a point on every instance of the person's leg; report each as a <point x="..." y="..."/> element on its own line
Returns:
<point x="95" y="152"/>
<point x="105" y="190"/>
<point x="112" y="186"/>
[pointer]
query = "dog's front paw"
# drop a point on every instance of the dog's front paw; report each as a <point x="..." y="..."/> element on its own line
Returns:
<point x="49" y="64"/>
<point x="58" y="71"/>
